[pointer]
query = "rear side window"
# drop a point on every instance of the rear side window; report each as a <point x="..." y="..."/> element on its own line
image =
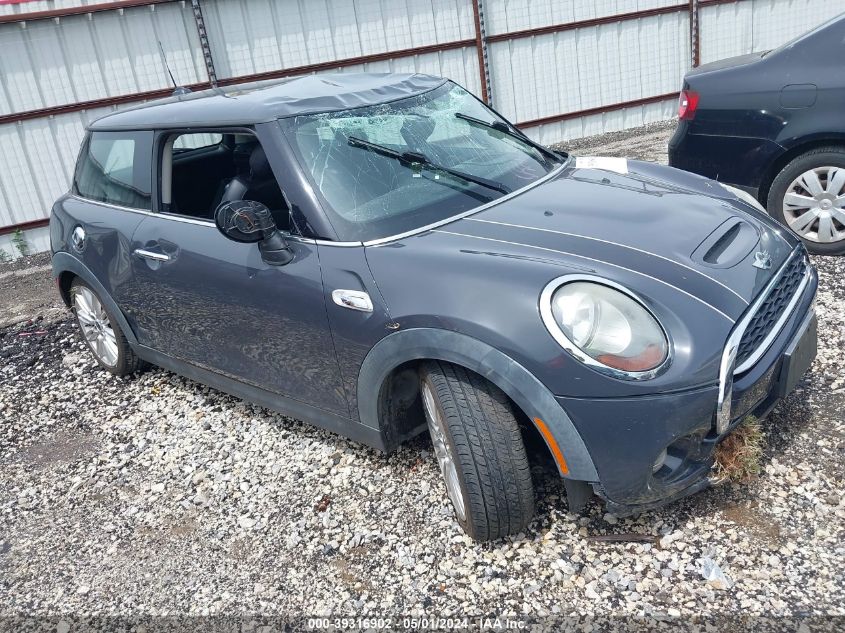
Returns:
<point x="114" y="167"/>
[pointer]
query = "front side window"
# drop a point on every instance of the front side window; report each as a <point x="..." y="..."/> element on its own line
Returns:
<point x="386" y="169"/>
<point x="114" y="167"/>
<point x="201" y="170"/>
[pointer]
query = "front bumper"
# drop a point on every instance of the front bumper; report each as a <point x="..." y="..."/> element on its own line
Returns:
<point x="626" y="436"/>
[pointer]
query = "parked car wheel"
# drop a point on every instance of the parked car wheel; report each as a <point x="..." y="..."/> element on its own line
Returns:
<point x="480" y="451"/>
<point x="808" y="196"/>
<point x="101" y="332"/>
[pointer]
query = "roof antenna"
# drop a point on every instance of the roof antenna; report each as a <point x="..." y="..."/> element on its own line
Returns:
<point x="177" y="89"/>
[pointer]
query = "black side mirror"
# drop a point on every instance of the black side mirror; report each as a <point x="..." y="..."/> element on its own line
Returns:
<point x="249" y="221"/>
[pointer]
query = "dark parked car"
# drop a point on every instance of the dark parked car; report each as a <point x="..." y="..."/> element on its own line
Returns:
<point x="381" y="254"/>
<point x="773" y="124"/>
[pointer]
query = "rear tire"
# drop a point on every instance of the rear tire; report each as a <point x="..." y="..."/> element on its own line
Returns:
<point x="785" y="182"/>
<point x="101" y="332"/>
<point x="478" y="431"/>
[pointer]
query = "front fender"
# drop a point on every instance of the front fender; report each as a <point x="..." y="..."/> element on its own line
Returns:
<point x="518" y="383"/>
<point x="65" y="262"/>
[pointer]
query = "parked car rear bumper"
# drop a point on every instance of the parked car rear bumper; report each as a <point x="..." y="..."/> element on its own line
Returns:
<point x="735" y="160"/>
<point x="626" y="436"/>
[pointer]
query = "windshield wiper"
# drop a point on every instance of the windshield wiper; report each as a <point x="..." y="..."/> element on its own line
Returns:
<point x="504" y="128"/>
<point x="409" y="159"/>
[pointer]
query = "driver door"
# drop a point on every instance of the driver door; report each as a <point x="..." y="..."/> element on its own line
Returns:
<point x="206" y="300"/>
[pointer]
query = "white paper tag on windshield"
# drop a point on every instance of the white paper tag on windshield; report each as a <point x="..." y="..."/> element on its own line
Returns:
<point x="608" y="163"/>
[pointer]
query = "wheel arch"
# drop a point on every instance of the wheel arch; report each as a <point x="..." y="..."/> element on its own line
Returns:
<point x="791" y="154"/>
<point x="66" y="267"/>
<point x="402" y="350"/>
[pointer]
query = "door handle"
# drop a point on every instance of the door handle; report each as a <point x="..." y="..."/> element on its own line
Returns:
<point x="158" y="257"/>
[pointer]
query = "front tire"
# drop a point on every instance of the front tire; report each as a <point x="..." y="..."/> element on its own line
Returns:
<point x="480" y="451"/>
<point x="808" y="196"/>
<point x="101" y="332"/>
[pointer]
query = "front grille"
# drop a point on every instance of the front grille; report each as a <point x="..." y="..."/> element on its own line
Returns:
<point x="764" y="320"/>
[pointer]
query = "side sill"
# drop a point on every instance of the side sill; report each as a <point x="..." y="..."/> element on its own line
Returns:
<point x="281" y="404"/>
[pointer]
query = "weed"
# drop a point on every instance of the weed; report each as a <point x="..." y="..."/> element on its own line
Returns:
<point x="19" y="240"/>
<point x="738" y="456"/>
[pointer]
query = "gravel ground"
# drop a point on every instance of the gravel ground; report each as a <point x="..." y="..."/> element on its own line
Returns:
<point x="157" y="496"/>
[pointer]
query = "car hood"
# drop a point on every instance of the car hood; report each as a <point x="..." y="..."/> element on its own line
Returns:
<point x="646" y="219"/>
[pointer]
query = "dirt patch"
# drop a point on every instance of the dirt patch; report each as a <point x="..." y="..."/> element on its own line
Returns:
<point x="756" y="523"/>
<point x="645" y="143"/>
<point x="27" y="292"/>
<point x="61" y="448"/>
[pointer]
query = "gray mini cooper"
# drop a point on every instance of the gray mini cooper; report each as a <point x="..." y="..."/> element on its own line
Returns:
<point x="379" y="254"/>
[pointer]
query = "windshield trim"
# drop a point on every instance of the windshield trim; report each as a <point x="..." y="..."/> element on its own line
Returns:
<point x="434" y="225"/>
<point x="483" y="207"/>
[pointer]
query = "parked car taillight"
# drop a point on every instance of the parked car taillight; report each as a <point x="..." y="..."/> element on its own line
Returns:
<point x="687" y="104"/>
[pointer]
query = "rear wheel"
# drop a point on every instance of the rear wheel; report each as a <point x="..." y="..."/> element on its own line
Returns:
<point x="101" y="332"/>
<point x="808" y="196"/>
<point x="479" y="450"/>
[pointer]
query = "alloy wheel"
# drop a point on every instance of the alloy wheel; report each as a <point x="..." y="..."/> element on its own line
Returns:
<point x="95" y="325"/>
<point x="437" y="430"/>
<point x="814" y="205"/>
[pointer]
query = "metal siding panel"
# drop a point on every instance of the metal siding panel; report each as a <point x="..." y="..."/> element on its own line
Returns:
<point x="518" y="15"/>
<point x="318" y="35"/>
<point x="45" y="161"/>
<point x="112" y="48"/>
<point x="495" y="16"/>
<point x="346" y="32"/>
<point x="776" y="22"/>
<point x="502" y="78"/>
<point x="32" y="7"/>
<point x="569" y="129"/>
<point x="630" y="68"/>
<point x="37" y="163"/>
<point x="511" y="15"/>
<point x="174" y="26"/>
<point x="46" y="57"/>
<point x="608" y="75"/>
<point x="567" y="75"/>
<point x="371" y="27"/>
<point x="393" y="23"/>
<point x="291" y="33"/>
<point x="425" y="28"/>
<point x="725" y="31"/>
<point x="563" y="12"/>
<point x="5" y="104"/>
<point x="82" y="59"/>
<point x="453" y="19"/>
<point x="16" y="72"/>
<point x="17" y="177"/>
<point x="587" y="55"/>
<point x="593" y="66"/>
<point x="524" y="55"/>
<point x="110" y="53"/>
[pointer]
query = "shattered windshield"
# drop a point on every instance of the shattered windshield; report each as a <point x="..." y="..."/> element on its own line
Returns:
<point x="386" y="169"/>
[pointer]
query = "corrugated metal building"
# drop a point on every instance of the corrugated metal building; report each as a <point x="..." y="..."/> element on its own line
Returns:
<point x="561" y="68"/>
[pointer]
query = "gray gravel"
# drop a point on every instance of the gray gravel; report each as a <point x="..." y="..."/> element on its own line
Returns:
<point x="155" y="495"/>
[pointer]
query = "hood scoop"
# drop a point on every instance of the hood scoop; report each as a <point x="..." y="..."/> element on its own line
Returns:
<point x="727" y="245"/>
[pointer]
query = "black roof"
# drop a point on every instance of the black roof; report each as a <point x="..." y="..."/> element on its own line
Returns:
<point x="247" y="104"/>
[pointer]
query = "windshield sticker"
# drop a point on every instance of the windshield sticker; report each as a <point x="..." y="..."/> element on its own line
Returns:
<point x="607" y="163"/>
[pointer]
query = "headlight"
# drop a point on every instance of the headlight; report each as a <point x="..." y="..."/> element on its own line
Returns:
<point x="604" y="326"/>
<point x="744" y="196"/>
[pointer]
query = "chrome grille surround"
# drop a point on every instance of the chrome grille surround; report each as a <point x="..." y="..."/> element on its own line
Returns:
<point x="775" y="303"/>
